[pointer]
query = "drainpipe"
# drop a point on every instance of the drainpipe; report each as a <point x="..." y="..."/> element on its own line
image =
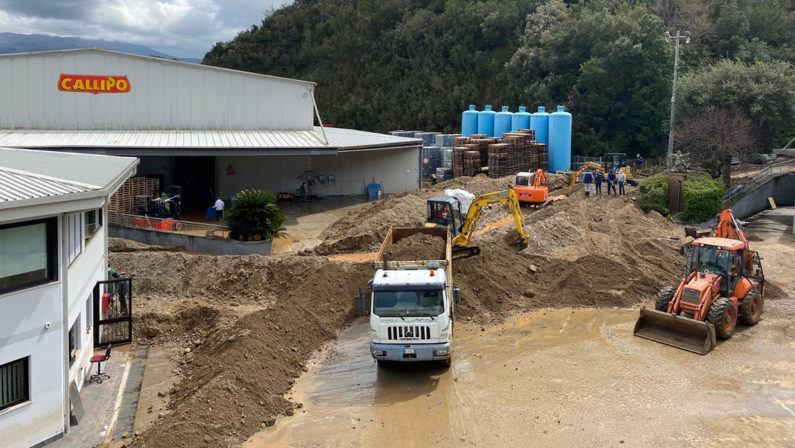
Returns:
<point x="64" y="276"/>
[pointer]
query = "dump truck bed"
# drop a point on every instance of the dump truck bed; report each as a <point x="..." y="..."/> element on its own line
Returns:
<point x="396" y="234"/>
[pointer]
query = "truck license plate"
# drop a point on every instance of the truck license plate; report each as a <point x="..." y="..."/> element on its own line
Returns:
<point x="408" y="351"/>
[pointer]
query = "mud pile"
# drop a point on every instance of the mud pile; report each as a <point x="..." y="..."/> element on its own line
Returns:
<point x="417" y="247"/>
<point x="245" y="326"/>
<point x="364" y="228"/>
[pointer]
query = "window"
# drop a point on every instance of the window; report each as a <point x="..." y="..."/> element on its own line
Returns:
<point x="92" y="220"/>
<point x="28" y="254"/>
<point x="14" y="383"/>
<point x="74" y="232"/>
<point x="74" y="341"/>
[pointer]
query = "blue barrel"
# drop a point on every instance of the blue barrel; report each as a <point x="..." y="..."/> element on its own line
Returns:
<point x="502" y="122"/>
<point x="559" y="140"/>
<point x="486" y="121"/>
<point x="469" y="121"/>
<point x="540" y="123"/>
<point x="520" y="120"/>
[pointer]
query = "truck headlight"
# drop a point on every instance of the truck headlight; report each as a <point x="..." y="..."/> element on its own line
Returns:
<point x="373" y="333"/>
<point x="444" y="332"/>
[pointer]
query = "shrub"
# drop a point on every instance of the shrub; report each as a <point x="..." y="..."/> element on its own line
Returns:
<point x="255" y="216"/>
<point x="654" y="194"/>
<point x="757" y="159"/>
<point x="703" y="198"/>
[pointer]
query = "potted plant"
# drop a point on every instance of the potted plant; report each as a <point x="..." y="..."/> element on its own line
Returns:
<point x="254" y="216"/>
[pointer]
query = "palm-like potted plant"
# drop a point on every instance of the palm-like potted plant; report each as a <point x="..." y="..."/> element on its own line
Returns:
<point x="254" y="216"/>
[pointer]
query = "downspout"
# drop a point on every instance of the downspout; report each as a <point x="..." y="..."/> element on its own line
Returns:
<point x="64" y="273"/>
<point x="317" y="114"/>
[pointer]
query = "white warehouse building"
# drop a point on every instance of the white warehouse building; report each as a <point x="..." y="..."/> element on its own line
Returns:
<point x="212" y="131"/>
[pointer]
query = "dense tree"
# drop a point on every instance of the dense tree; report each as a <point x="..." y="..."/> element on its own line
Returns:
<point x="416" y="64"/>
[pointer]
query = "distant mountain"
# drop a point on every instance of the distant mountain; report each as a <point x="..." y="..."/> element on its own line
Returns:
<point x="21" y="43"/>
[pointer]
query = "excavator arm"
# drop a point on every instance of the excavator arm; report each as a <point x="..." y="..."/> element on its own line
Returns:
<point x="540" y="179"/>
<point x="579" y="172"/>
<point x="729" y="228"/>
<point x="461" y="247"/>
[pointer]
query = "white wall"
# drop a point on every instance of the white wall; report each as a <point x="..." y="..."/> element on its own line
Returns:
<point x="89" y="268"/>
<point x="23" y="315"/>
<point x="396" y="170"/>
<point x="163" y="95"/>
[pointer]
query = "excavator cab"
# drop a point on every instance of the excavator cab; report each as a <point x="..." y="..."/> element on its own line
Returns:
<point x="531" y="187"/>
<point x="444" y="211"/>
<point x="616" y="160"/>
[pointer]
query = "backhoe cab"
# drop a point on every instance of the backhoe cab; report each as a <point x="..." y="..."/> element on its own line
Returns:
<point x="724" y="285"/>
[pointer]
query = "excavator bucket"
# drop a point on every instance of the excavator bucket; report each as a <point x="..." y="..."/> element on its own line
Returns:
<point x="677" y="331"/>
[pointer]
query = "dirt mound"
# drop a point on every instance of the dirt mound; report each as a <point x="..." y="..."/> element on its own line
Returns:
<point x="364" y="228"/>
<point x="122" y="245"/>
<point x="420" y="246"/>
<point x="250" y="324"/>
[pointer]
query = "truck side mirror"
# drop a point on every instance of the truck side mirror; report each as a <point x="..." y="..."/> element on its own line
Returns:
<point x="456" y="296"/>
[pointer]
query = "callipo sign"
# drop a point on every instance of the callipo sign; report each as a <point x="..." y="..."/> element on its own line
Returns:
<point x="93" y="84"/>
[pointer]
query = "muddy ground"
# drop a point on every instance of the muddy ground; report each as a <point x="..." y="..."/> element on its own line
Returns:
<point x="243" y="329"/>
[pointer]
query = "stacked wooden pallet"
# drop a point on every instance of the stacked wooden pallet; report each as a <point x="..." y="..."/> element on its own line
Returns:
<point x="128" y="197"/>
<point x="472" y="163"/>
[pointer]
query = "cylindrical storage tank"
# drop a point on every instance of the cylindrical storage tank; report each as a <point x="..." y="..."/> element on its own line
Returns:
<point x="502" y="122"/>
<point x="540" y="123"/>
<point x="469" y="121"/>
<point x="559" y="140"/>
<point x="520" y="120"/>
<point x="486" y="121"/>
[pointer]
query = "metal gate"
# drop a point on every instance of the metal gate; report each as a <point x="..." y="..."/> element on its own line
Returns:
<point x="113" y="312"/>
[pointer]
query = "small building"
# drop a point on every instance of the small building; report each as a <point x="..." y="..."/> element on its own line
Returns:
<point x="209" y="130"/>
<point x="53" y="251"/>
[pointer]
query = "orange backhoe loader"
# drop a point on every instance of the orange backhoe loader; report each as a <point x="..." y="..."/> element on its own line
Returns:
<point x="532" y="188"/>
<point x="724" y="285"/>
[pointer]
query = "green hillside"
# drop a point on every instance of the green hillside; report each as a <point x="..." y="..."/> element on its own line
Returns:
<point x="417" y="64"/>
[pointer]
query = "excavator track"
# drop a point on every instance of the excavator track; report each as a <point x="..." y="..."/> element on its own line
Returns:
<point x="465" y="252"/>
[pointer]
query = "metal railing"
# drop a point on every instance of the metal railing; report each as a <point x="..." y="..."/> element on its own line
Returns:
<point x="756" y="180"/>
<point x="168" y="225"/>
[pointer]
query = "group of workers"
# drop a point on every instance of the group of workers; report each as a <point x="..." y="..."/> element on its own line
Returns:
<point x="596" y="179"/>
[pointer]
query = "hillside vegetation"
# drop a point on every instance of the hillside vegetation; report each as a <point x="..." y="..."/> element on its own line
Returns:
<point x="417" y="64"/>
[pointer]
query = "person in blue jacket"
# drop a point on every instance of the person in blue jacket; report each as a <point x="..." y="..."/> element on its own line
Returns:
<point x="611" y="182"/>
<point x="598" y="181"/>
<point x="638" y="163"/>
<point x="587" y="180"/>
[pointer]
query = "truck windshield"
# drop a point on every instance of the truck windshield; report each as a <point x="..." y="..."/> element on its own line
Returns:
<point x="408" y="303"/>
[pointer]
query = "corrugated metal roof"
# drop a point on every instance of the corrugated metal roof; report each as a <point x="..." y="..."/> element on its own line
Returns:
<point x="17" y="186"/>
<point x="29" y="177"/>
<point x="338" y="139"/>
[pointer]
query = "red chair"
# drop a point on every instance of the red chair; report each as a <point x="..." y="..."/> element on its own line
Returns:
<point x="99" y="359"/>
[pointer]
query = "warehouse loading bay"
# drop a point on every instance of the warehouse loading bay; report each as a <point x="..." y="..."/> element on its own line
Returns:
<point x="261" y="351"/>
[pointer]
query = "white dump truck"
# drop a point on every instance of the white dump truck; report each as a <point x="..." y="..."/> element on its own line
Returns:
<point x="412" y="303"/>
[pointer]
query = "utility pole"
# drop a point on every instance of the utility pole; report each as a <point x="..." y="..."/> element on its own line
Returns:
<point x="668" y="37"/>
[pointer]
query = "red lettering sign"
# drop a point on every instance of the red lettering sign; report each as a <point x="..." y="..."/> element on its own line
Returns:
<point x="93" y="84"/>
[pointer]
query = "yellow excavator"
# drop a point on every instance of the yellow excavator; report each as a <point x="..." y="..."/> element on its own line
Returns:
<point x="445" y="211"/>
<point x="595" y="166"/>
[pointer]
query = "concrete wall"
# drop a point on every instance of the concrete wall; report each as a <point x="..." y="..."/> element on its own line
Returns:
<point x="23" y="315"/>
<point x="163" y="95"/>
<point x="193" y="243"/>
<point x="396" y="169"/>
<point x="781" y="189"/>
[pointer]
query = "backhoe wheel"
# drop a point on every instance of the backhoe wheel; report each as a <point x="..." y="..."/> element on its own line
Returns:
<point x="723" y="315"/>
<point x="751" y="308"/>
<point x="663" y="297"/>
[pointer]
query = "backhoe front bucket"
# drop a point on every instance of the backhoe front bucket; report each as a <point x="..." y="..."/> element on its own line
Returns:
<point x="677" y="331"/>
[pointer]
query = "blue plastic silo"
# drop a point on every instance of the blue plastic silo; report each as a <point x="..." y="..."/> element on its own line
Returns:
<point x="486" y="121"/>
<point x="520" y="120"/>
<point x="469" y="121"/>
<point x="540" y="124"/>
<point x="559" y="140"/>
<point x="502" y="122"/>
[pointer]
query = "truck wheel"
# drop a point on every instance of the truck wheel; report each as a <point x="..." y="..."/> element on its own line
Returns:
<point x="381" y="363"/>
<point x="723" y="315"/>
<point x="751" y="308"/>
<point x="663" y="297"/>
<point x="446" y="362"/>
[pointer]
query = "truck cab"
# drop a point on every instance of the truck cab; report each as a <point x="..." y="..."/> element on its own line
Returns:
<point x="411" y="315"/>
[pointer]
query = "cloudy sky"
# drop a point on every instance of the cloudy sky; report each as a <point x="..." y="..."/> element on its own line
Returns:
<point x="183" y="28"/>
